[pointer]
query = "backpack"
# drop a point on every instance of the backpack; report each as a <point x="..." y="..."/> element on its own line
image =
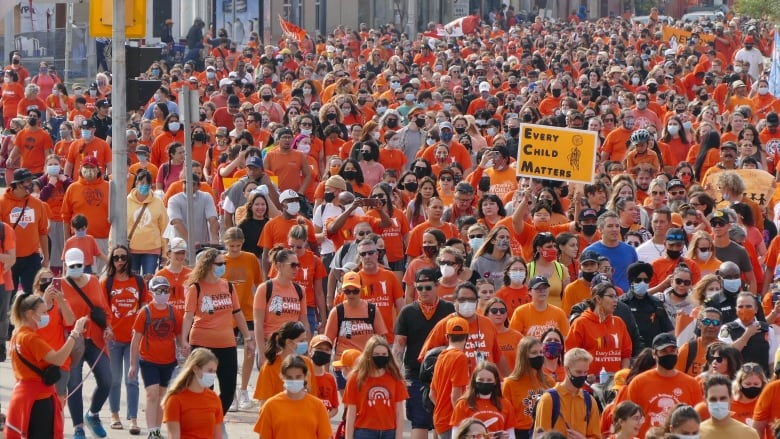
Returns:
<point x="556" y="406"/>
<point x="269" y="289"/>
<point x="340" y="320"/>
<point x="138" y="280"/>
<point x="693" y="347"/>
<point x="197" y="289"/>
<point x="427" y="367"/>
<point x="148" y="322"/>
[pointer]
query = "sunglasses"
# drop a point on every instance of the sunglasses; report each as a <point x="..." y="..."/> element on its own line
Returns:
<point x="351" y="291"/>
<point x="450" y="263"/>
<point x="76" y="266"/>
<point x="715" y="359"/>
<point x="119" y="257"/>
<point x="294" y="265"/>
<point x="685" y="282"/>
<point x="296" y="247"/>
<point x="710" y="322"/>
<point x="498" y="311"/>
<point x="367" y="253"/>
<point x="752" y="368"/>
<point x="476" y="236"/>
<point x="160" y="291"/>
<point x="219" y="264"/>
<point x="423" y="287"/>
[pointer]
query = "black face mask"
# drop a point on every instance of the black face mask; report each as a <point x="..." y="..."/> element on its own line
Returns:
<point x="460" y="130"/>
<point x="331" y="116"/>
<point x="527" y="117"/>
<point x="674" y="254"/>
<point x="367" y="156"/>
<point x="33" y="121"/>
<point x="329" y="197"/>
<point x="380" y="361"/>
<point x="202" y="117"/>
<point x="267" y="97"/>
<point x="391" y="123"/>
<point x="588" y="276"/>
<point x="514" y="131"/>
<point x="652" y="88"/>
<point x="556" y="92"/>
<point x="350" y="175"/>
<point x="361" y="101"/>
<point x="320" y="358"/>
<point x="751" y="392"/>
<point x="537" y="362"/>
<point x="579" y="381"/>
<point x="589" y="229"/>
<point x="411" y="186"/>
<point x="430" y="250"/>
<point x="419" y="122"/>
<point x="485" y="389"/>
<point x="668" y="362"/>
<point x="199" y="137"/>
<point x="43" y="285"/>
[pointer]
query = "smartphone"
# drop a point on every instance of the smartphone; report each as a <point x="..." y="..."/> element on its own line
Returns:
<point x="775" y="297"/>
<point x="57" y="283"/>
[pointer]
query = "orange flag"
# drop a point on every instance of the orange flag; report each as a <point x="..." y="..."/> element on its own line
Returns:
<point x="291" y="30"/>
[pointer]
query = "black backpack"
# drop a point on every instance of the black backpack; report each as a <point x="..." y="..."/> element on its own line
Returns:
<point x="426" y="375"/>
<point x="138" y="280"/>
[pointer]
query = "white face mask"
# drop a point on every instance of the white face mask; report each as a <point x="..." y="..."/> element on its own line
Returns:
<point x="687" y="125"/>
<point x="704" y="256"/>
<point x="174" y="126"/>
<point x="304" y="148"/>
<point x="763" y="90"/>
<point x="689" y="229"/>
<point x="447" y="270"/>
<point x="293" y="208"/>
<point x="673" y="129"/>
<point x="517" y="276"/>
<point x="711" y="293"/>
<point x="293" y="386"/>
<point x="467" y="309"/>
<point x="208" y="379"/>
<point x="687" y="436"/>
<point x="718" y="410"/>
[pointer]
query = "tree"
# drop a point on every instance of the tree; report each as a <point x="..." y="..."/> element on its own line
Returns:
<point x="759" y="8"/>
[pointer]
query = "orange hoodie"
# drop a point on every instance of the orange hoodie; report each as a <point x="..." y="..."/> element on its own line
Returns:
<point x="90" y="199"/>
<point x="607" y="341"/>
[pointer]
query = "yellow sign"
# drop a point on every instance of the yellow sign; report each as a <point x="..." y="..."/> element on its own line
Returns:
<point x="759" y="186"/>
<point x="676" y="35"/>
<point x="554" y="153"/>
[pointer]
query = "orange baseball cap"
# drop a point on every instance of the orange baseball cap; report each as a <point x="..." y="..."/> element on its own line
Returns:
<point x="348" y="358"/>
<point x="457" y="326"/>
<point x="318" y="340"/>
<point x="351" y="279"/>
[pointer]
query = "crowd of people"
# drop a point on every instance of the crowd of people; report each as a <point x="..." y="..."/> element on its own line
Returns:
<point x="361" y="232"/>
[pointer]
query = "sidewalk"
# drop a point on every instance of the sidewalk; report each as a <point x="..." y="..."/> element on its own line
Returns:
<point x="239" y="424"/>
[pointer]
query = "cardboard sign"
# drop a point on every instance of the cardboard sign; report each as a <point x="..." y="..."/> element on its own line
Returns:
<point x="555" y="153"/>
<point x="675" y="36"/>
<point x="759" y="186"/>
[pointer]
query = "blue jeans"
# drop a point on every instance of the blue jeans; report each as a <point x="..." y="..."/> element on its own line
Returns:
<point x="120" y="363"/>
<point x="145" y="262"/>
<point x="365" y="433"/>
<point x="102" y="374"/>
<point x="311" y="314"/>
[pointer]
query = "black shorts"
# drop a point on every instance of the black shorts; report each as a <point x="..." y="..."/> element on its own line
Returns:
<point x="399" y="265"/>
<point x="156" y="374"/>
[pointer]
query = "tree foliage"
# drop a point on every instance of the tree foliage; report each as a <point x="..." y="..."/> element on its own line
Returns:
<point x="759" y="8"/>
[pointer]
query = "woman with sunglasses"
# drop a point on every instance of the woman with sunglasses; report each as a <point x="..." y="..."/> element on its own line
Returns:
<point x="676" y="298"/>
<point x="527" y="381"/>
<point x="702" y="252"/>
<point x="289" y="339"/>
<point x="497" y="311"/>
<point x="723" y="359"/>
<point x="211" y="307"/>
<point x="126" y="294"/>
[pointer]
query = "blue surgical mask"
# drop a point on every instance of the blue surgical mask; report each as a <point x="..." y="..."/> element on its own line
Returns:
<point x="44" y="322"/>
<point x="52" y="169"/>
<point x="81" y="233"/>
<point x="144" y="189"/>
<point x="476" y="243"/>
<point x="732" y="285"/>
<point x="219" y="270"/>
<point x="640" y="288"/>
<point x="208" y="379"/>
<point x="86" y="135"/>
<point x="73" y="273"/>
<point x="301" y="348"/>
<point x="293" y="386"/>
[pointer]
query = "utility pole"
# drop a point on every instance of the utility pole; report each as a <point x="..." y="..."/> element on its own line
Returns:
<point x="411" y="19"/>
<point x="118" y="203"/>
<point x="69" y="40"/>
<point x="188" y="108"/>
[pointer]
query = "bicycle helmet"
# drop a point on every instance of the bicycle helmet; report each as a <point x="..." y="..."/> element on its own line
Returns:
<point x="640" y="136"/>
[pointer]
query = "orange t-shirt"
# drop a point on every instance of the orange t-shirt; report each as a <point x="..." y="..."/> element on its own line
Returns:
<point x="513" y="297"/>
<point x="312" y="270"/>
<point x="767" y="409"/>
<point x="277" y="229"/>
<point x="658" y="395"/>
<point x="287" y="167"/>
<point x="284" y="417"/>
<point x="530" y="322"/>
<point x="697" y="367"/>
<point x="615" y="143"/>
<point x="345" y="233"/>
<point x="34" y="222"/>
<point x="285" y="306"/>
<point x="176" y="290"/>
<point x="507" y="342"/>
<point x="375" y="400"/>
<point x="393" y="235"/>
<point x="415" y="247"/>
<point x="33" y="347"/>
<point x="523" y="393"/>
<point x="327" y="390"/>
<point x="243" y="271"/>
<point x="90" y="199"/>
<point x="78" y="150"/>
<point x="496" y="420"/>
<point x="158" y="341"/>
<point x="159" y="148"/>
<point x="54" y="332"/>
<point x="34" y="146"/>
<point x="213" y="311"/>
<point x="451" y="371"/>
<point x="125" y="300"/>
<point x="198" y="414"/>
<point x="87" y="245"/>
<point x="574" y="293"/>
<point x="99" y="299"/>
<point x="384" y="290"/>
<point x="355" y="329"/>
<point x="482" y="341"/>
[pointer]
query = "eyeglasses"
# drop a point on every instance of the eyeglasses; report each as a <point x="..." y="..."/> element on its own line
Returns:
<point x="306" y="124"/>
<point x="363" y="233"/>
<point x="132" y="141"/>
<point x="730" y="276"/>
<point x="497" y="311"/>
<point x="703" y="249"/>
<point x="641" y="100"/>
<point x="159" y="291"/>
<point x="717" y="224"/>
<point x="423" y="287"/>
<point x="612" y="296"/>
<point x="676" y="193"/>
<point x="476" y="236"/>
<point x="657" y="192"/>
<point x="367" y="253"/>
<point x="710" y="322"/>
<point x="351" y="291"/>
<point x="119" y="257"/>
<point x="76" y="266"/>
<point x="633" y="243"/>
<point x="685" y="282"/>
<point x="219" y="264"/>
<point x="608" y="119"/>
<point x="445" y="178"/>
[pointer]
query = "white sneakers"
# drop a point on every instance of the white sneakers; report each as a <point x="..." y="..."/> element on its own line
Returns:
<point x="242" y="401"/>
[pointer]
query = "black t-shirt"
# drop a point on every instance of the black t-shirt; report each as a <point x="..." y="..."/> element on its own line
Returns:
<point x="102" y="127"/>
<point x="412" y="324"/>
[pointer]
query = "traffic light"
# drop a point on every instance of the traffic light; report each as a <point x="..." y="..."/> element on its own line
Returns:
<point x="101" y="18"/>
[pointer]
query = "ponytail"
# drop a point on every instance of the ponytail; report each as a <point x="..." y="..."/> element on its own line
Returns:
<point x="272" y="348"/>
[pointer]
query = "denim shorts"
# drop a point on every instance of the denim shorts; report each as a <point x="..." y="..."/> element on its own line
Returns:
<point x="415" y="412"/>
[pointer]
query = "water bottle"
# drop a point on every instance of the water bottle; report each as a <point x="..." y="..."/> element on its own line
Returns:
<point x="603" y="376"/>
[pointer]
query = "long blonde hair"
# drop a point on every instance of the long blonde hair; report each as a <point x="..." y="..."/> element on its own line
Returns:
<point x="365" y="366"/>
<point x="523" y="364"/>
<point x="203" y="263"/>
<point x="199" y="358"/>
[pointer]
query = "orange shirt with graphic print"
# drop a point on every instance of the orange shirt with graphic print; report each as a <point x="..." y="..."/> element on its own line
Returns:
<point x="393" y="235"/>
<point x="498" y="420"/>
<point x="125" y="300"/>
<point x="213" y="311"/>
<point x="375" y="400"/>
<point x="384" y="290"/>
<point x="158" y="340"/>
<point x="354" y="331"/>
<point x="415" y="247"/>
<point x="176" y="291"/>
<point x="523" y="393"/>
<point x="311" y="270"/>
<point x="285" y="306"/>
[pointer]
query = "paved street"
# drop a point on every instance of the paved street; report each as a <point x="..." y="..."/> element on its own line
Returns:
<point x="239" y="424"/>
